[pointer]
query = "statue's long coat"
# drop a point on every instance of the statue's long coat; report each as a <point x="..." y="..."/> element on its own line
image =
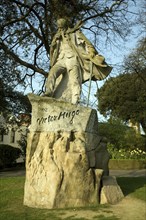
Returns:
<point x="94" y="68"/>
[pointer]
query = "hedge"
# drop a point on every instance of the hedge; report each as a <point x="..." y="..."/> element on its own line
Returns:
<point x="8" y="155"/>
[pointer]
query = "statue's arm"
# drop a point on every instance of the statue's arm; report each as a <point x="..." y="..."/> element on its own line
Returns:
<point x="54" y="48"/>
<point x="90" y="48"/>
<point x="56" y="37"/>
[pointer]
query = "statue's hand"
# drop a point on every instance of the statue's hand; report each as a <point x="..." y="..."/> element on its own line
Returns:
<point x="92" y="54"/>
<point x="91" y="51"/>
<point x="57" y="36"/>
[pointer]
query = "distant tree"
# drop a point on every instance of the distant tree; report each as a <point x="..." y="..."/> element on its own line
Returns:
<point x="114" y="130"/>
<point x="136" y="61"/>
<point x="140" y="20"/>
<point x="125" y="97"/>
<point x="27" y="28"/>
<point x="120" y="136"/>
<point x="12" y="101"/>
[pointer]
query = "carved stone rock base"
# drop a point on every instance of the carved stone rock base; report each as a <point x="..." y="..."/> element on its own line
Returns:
<point x="66" y="159"/>
<point x="58" y="173"/>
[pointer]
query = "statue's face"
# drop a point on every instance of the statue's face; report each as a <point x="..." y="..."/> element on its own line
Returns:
<point x="62" y="23"/>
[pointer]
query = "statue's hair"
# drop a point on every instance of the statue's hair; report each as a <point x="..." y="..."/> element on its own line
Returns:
<point x="62" y="22"/>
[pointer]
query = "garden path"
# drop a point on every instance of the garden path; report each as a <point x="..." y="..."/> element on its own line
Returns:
<point x="128" y="209"/>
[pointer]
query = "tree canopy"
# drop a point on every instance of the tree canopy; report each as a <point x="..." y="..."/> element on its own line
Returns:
<point x="11" y="100"/>
<point x="136" y="61"/>
<point x="27" y="28"/>
<point x="124" y="96"/>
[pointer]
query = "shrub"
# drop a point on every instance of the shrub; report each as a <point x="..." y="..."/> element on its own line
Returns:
<point x="22" y="144"/>
<point x="121" y="136"/>
<point x="134" y="140"/>
<point x="8" y="155"/>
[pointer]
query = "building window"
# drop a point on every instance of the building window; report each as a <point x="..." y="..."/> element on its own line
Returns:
<point x="12" y="138"/>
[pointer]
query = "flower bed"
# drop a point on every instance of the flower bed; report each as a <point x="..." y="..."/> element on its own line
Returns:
<point x="123" y="153"/>
<point x="126" y="158"/>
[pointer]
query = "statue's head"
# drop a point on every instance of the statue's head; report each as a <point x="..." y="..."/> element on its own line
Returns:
<point x="62" y="23"/>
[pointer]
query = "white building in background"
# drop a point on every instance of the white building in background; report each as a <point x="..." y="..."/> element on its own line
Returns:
<point x="137" y="127"/>
<point x="14" y="132"/>
<point x="13" y="136"/>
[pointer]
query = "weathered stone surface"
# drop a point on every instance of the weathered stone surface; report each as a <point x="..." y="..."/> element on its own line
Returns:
<point x="66" y="158"/>
<point x="98" y="155"/>
<point x="49" y="114"/>
<point x="58" y="173"/>
<point x="111" y="192"/>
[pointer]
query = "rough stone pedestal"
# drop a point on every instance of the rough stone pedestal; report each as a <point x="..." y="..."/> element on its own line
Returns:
<point x="58" y="173"/>
<point x="66" y="158"/>
<point x="57" y="166"/>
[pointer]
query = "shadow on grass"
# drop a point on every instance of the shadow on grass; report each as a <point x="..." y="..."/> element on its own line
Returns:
<point x="133" y="185"/>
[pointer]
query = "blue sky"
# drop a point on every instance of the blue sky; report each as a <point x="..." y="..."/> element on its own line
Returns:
<point x="116" y="56"/>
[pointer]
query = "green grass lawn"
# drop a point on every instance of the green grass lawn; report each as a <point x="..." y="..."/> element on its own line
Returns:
<point x="11" y="200"/>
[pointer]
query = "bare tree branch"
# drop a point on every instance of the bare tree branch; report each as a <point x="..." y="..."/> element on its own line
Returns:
<point x="18" y="19"/>
<point x="22" y="62"/>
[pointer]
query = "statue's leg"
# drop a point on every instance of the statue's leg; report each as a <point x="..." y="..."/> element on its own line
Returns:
<point x="54" y="73"/>
<point x="76" y="84"/>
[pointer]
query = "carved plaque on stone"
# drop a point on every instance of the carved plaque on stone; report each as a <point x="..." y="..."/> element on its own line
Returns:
<point x="49" y="114"/>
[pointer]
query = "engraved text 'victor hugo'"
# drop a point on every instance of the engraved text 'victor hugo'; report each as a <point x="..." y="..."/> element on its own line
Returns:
<point x="61" y="115"/>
